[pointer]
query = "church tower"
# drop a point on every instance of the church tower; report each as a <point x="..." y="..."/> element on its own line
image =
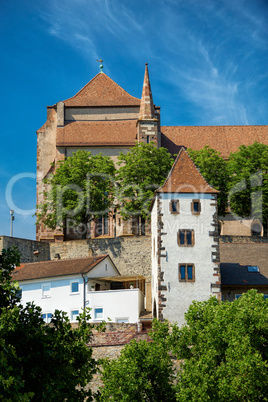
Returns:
<point x="185" y="241"/>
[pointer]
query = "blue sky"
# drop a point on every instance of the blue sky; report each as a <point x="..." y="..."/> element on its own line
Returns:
<point x="207" y="61"/>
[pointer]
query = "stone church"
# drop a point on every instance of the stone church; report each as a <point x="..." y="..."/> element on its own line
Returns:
<point x="103" y="117"/>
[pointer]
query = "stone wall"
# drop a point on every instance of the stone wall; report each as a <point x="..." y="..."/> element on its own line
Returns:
<point x="131" y="254"/>
<point x="30" y="250"/>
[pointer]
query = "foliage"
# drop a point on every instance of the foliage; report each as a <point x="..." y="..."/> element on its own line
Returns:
<point x="248" y="168"/>
<point x="38" y="361"/>
<point x="224" y="348"/>
<point x="81" y="188"/>
<point x="142" y="170"/>
<point x="214" y="169"/>
<point x="143" y="372"/>
<point x="8" y="289"/>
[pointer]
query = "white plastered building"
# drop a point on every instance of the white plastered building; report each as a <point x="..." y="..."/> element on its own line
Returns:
<point x="185" y="246"/>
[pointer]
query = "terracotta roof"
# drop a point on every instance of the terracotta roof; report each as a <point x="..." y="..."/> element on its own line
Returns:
<point x="185" y="177"/>
<point x="225" y="139"/>
<point x="46" y="269"/>
<point x="102" y="91"/>
<point x="236" y="256"/>
<point x="97" y="133"/>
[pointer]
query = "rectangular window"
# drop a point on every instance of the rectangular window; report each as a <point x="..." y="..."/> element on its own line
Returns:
<point x="75" y="287"/>
<point x="186" y="237"/>
<point x="186" y="273"/>
<point x="121" y="320"/>
<point x="46" y="290"/>
<point x="196" y="207"/>
<point x="237" y="296"/>
<point x="98" y="313"/>
<point x="265" y="297"/>
<point x="47" y="317"/>
<point x="74" y="315"/>
<point x="174" y="207"/>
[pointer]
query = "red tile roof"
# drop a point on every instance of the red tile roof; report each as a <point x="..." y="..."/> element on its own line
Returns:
<point x="47" y="269"/>
<point x="97" y="133"/>
<point x="185" y="177"/>
<point x="225" y="139"/>
<point x="102" y="91"/>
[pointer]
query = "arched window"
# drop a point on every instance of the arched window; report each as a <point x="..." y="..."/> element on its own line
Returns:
<point x="256" y="228"/>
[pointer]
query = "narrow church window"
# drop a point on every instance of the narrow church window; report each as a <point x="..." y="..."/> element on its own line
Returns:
<point x="148" y="139"/>
<point x="186" y="273"/>
<point x="196" y="207"/>
<point x="174" y="207"/>
<point x="186" y="237"/>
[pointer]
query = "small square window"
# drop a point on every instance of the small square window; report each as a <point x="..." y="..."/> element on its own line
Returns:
<point x="265" y="297"/>
<point x="174" y="207"/>
<point x="46" y="290"/>
<point x="186" y="273"/>
<point x="74" y="315"/>
<point x="74" y="287"/>
<point x="237" y="296"/>
<point x="186" y="237"/>
<point x="98" y="313"/>
<point x="196" y="207"/>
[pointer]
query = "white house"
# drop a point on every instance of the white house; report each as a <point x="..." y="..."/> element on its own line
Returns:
<point x="185" y="248"/>
<point x="71" y="285"/>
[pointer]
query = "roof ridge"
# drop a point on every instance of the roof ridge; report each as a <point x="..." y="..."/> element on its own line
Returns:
<point x="65" y="259"/>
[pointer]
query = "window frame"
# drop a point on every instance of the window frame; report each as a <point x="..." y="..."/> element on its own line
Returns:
<point x="185" y="238"/>
<point x="100" y="318"/>
<point x="71" y="315"/>
<point x="196" y="201"/>
<point x="177" y="203"/>
<point x="49" y="293"/>
<point x="71" y="287"/>
<point x="186" y="265"/>
<point x="46" y="319"/>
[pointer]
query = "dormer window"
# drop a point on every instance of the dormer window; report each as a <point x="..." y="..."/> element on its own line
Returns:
<point x="196" y="207"/>
<point x="174" y="207"/>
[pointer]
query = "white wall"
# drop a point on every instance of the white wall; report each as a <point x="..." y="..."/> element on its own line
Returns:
<point x="180" y="295"/>
<point x="154" y="256"/>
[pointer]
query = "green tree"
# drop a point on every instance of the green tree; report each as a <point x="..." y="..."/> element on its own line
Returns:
<point x="81" y="188"/>
<point x="143" y="372"/>
<point x="40" y="362"/>
<point x="224" y="350"/>
<point x="142" y="170"/>
<point x="248" y="187"/>
<point x="214" y="169"/>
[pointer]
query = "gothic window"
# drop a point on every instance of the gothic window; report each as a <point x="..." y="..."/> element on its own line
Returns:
<point x="174" y="207"/>
<point x="186" y="273"/>
<point x="196" y="207"/>
<point x="186" y="237"/>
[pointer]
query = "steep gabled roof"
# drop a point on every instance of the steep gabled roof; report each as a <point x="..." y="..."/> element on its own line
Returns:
<point x="102" y="91"/>
<point x="185" y="177"/>
<point x="47" y="269"/>
<point x="97" y="133"/>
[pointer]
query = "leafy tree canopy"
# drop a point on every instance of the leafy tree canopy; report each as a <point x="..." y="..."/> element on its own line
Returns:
<point x="224" y="350"/>
<point x="214" y="169"/>
<point x="221" y="354"/>
<point x="143" y="372"/>
<point x="142" y="170"/>
<point x="248" y="186"/>
<point x="40" y="362"/>
<point x="81" y="188"/>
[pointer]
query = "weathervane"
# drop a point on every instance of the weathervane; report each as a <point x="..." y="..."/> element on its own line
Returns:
<point x="101" y="65"/>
